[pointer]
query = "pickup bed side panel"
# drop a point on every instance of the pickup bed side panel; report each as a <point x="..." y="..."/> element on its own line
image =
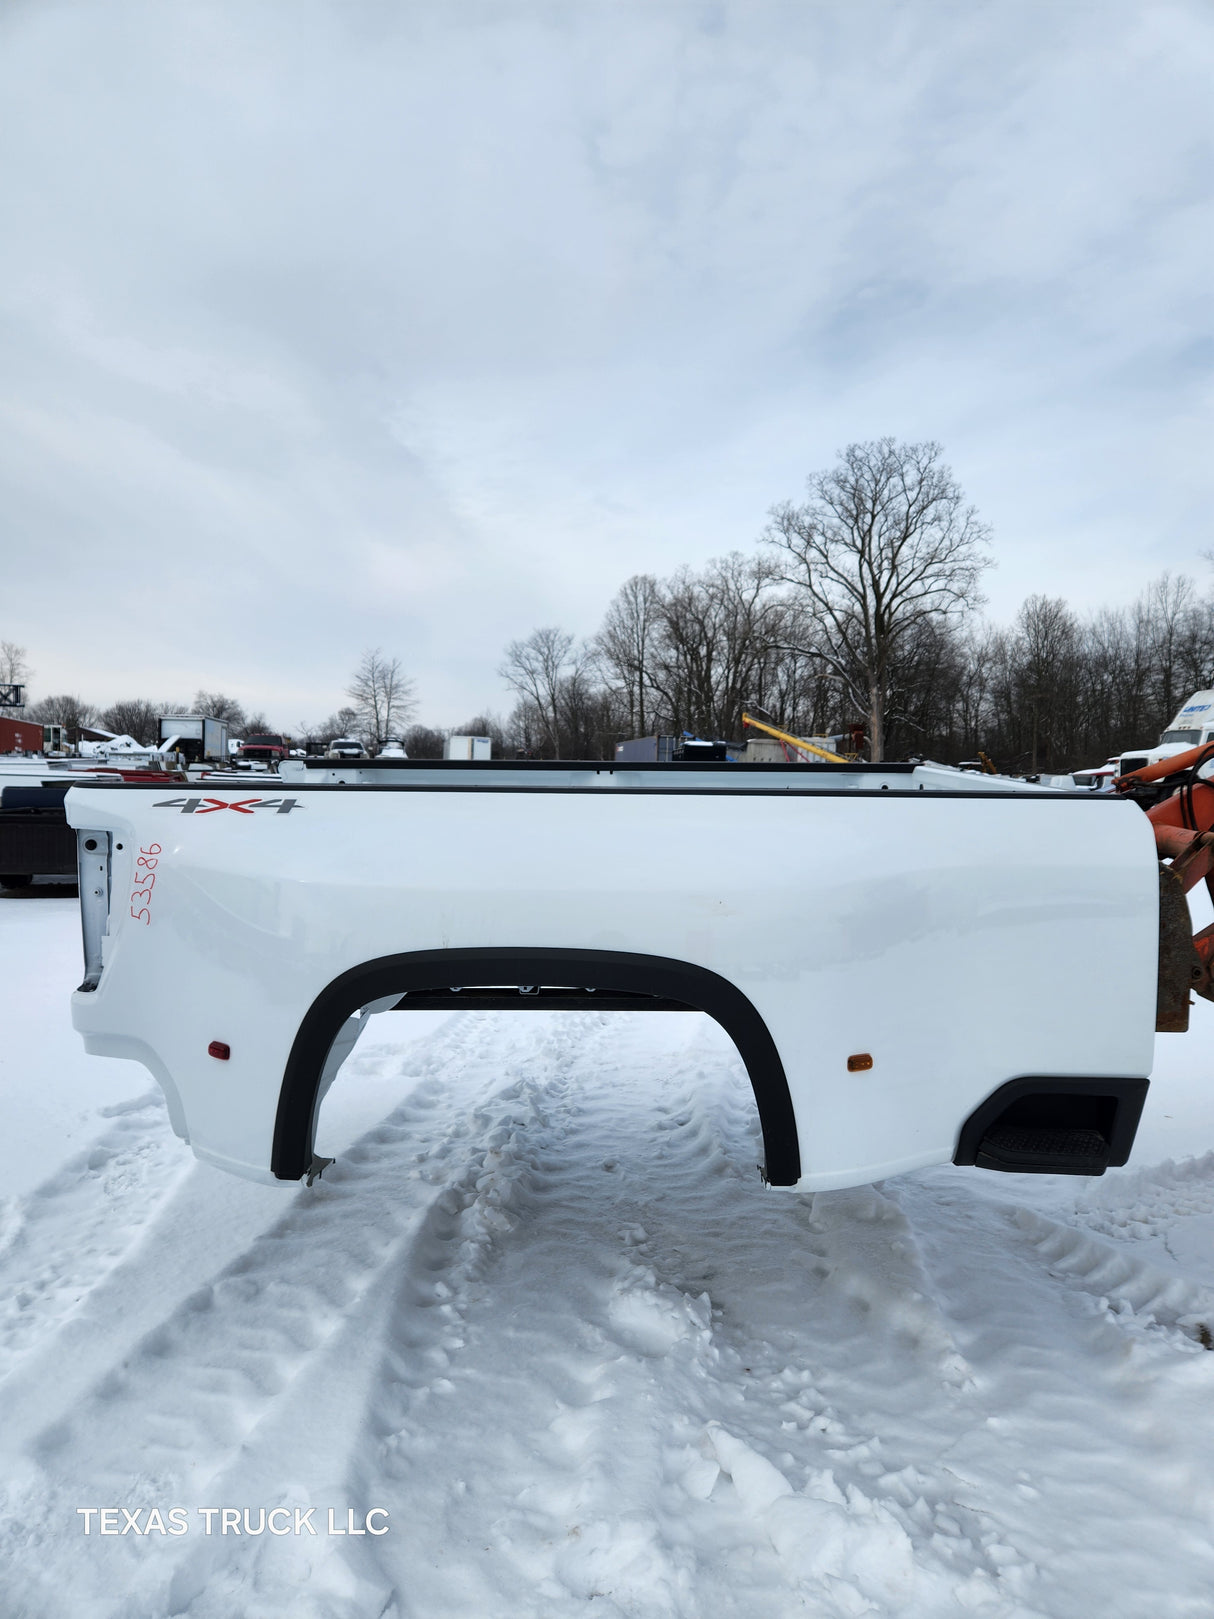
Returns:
<point x="604" y="970"/>
<point x="954" y="943"/>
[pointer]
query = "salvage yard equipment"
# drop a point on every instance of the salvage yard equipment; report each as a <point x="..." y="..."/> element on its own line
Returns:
<point x="1179" y="801"/>
<point x="809" y="751"/>
<point x="35" y="839"/>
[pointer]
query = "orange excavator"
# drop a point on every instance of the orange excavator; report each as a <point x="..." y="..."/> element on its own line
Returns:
<point x="1181" y="813"/>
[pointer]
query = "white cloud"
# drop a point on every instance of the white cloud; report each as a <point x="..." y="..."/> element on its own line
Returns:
<point x="341" y="324"/>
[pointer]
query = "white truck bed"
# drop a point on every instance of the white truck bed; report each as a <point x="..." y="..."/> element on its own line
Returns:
<point x="917" y="965"/>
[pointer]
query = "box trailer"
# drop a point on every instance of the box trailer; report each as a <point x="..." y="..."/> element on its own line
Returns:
<point x="468" y="747"/>
<point x="197" y="736"/>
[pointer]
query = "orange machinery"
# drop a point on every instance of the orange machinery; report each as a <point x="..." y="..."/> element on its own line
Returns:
<point x="1183" y="823"/>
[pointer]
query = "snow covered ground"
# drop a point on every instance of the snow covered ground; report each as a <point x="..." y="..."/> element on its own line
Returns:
<point x="544" y="1316"/>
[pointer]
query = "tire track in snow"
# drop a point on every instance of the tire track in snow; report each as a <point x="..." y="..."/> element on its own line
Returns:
<point x="418" y="1333"/>
<point x="163" y="1425"/>
<point x="1140" y="1204"/>
<point x="1066" y="1391"/>
<point x="1164" y="1213"/>
<point x="775" y="1455"/>
<point x="1140" y="1296"/>
<point x="797" y="1416"/>
<point x="60" y="1242"/>
<point x="548" y="1317"/>
<point x="627" y="1368"/>
<point x="518" y="1401"/>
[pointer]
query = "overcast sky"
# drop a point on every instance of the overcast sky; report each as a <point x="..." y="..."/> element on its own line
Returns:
<point x="343" y="323"/>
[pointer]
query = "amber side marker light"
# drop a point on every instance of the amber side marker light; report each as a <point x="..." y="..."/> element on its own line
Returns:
<point x="218" y="1049"/>
<point x="859" y="1062"/>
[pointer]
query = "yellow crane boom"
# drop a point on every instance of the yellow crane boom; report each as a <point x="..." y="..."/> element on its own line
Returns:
<point x="794" y="741"/>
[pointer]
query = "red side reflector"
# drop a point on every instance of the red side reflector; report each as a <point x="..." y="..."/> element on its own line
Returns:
<point x="218" y="1049"/>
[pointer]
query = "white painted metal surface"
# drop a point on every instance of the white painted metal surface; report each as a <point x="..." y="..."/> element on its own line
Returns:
<point x="962" y="939"/>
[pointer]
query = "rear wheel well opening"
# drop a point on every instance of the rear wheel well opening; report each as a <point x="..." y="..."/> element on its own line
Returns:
<point x="616" y="974"/>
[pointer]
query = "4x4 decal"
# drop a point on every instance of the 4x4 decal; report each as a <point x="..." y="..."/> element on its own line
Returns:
<point x="242" y="806"/>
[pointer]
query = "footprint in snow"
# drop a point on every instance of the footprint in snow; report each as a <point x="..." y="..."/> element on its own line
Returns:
<point x="651" y="1321"/>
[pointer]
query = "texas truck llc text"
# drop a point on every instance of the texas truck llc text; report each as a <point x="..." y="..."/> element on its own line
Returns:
<point x="231" y="1521"/>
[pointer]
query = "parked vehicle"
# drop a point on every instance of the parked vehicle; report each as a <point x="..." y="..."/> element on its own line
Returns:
<point x="1098" y="778"/>
<point x="1192" y="725"/>
<point x="923" y="972"/>
<point x="268" y="749"/>
<point x="345" y="747"/>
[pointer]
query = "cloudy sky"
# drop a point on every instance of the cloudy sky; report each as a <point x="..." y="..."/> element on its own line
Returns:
<point x="343" y="323"/>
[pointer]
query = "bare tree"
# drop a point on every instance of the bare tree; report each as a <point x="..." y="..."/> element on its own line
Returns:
<point x="14" y="667"/>
<point x="216" y="706"/>
<point x="538" y="670"/>
<point x="716" y="649"/>
<point x="625" y="647"/>
<point x="1047" y="656"/>
<point x="382" y="694"/>
<point x="73" y="713"/>
<point x="424" y="742"/>
<point x="136" y="718"/>
<point x="343" y="723"/>
<point x="1177" y="627"/>
<point x="526" y="732"/>
<point x="969" y="707"/>
<point x="1116" y="684"/>
<point x="1164" y="610"/>
<point x="1196" y="664"/>
<point x="489" y="725"/>
<point x="884" y="544"/>
<point x="928" y="685"/>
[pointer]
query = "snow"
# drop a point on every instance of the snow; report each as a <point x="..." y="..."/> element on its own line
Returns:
<point x="543" y="1314"/>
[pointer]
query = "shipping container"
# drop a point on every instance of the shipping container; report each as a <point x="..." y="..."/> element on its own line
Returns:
<point x="20" y="736"/>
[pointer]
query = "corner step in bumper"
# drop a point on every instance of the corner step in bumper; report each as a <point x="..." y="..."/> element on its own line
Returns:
<point x="1042" y="1150"/>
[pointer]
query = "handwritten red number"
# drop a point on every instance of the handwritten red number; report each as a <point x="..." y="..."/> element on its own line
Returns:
<point x="145" y="881"/>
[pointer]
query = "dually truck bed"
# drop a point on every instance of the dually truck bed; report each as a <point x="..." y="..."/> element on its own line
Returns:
<point x="917" y="966"/>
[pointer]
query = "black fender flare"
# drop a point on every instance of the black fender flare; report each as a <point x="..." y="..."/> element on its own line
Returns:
<point x="696" y="987"/>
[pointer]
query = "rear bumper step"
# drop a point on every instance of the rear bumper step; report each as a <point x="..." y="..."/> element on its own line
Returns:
<point x="1043" y="1124"/>
<point x="1043" y="1151"/>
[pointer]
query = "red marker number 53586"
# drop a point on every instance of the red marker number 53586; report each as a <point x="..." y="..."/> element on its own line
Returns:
<point x="145" y="881"/>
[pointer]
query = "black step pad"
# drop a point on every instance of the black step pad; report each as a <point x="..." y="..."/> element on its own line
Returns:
<point x="1043" y="1149"/>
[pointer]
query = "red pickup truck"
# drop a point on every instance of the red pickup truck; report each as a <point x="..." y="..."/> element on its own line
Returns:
<point x="270" y="749"/>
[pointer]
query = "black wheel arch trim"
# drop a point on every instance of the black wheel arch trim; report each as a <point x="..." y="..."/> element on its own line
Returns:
<point x="295" y="1122"/>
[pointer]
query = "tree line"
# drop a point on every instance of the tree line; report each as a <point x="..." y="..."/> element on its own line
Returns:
<point x="857" y="615"/>
<point x="381" y="702"/>
<point x="1050" y="692"/>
